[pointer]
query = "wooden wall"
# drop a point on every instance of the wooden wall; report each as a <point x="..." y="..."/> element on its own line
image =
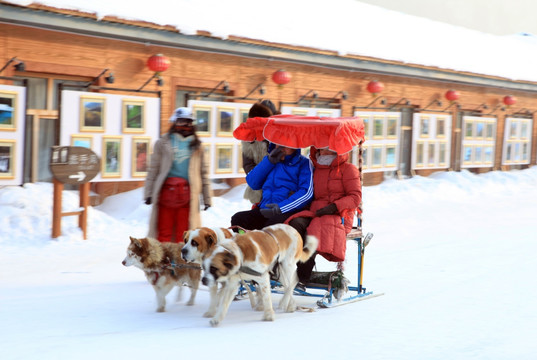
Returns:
<point x="50" y="52"/>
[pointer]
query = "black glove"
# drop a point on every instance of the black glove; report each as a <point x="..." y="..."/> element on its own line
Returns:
<point x="327" y="210"/>
<point x="148" y="200"/>
<point x="272" y="210"/>
<point x="275" y="155"/>
<point x="206" y="207"/>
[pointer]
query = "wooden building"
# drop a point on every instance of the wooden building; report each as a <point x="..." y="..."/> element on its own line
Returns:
<point x="57" y="59"/>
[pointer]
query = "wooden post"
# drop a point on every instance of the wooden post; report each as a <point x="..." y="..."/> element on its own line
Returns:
<point x="84" y="202"/>
<point x="57" y="209"/>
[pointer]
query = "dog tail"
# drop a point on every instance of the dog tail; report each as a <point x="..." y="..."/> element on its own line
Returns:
<point x="309" y="248"/>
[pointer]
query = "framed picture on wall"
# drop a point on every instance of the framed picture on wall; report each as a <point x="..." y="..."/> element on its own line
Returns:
<point x="92" y="110"/>
<point x="225" y="121"/>
<point x="7" y="159"/>
<point x="82" y="140"/>
<point x="133" y="116"/>
<point x="324" y="113"/>
<point x="207" y="154"/>
<point x="111" y="157"/>
<point x="8" y="109"/>
<point x="243" y="115"/>
<point x="390" y="155"/>
<point x="240" y="168"/>
<point x="224" y="158"/>
<point x="203" y="119"/>
<point x="391" y="130"/>
<point x="140" y="156"/>
<point x="299" y="112"/>
<point x="378" y="127"/>
<point x="424" y="127"/>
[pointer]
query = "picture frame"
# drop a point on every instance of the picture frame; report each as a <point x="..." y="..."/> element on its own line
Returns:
<point x="325" y="113"/>
<point x="203" y="115"/>
<point x="467" y="157"/>
<point x="243" y="115"/>
<point x="440" y="127"/>
<point x="207" y="155"/>
<point x="469" y="130"/>
<point x="133" y="116"/>
<point x="92" y="113"/>
<point x="377" y="156"/>
<point x="489" y="130"/>
<point x="378" y="128"/>
<point x="390" y="156"/>
<point x="8" y="110"/>
<point x="424" y="127"/>
<point x="7" y="159"/>
<point x="365" y="157"/>
<point x="488" y="154"/>
<point x="240" y="168"/>
<point x="442" y="152"/>
<point x="225" y="123"/>
<point x="140" y="158"/>
<point x="431" y="153"/>
<point x="299" y="112"/>
<point x="111" y="156"/>
<point x="366" y="120"/>
<point x="223" y="158"/>
<point x="391" y="128"/>
<point x="82" y="140"/>
<point x="479" y="130"/>
<point x="419" y="153"/>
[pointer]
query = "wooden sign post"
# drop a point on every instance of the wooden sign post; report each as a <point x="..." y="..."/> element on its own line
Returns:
<point x="72" y="165"/>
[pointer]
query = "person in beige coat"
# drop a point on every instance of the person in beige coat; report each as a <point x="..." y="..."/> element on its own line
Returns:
<point x="177" y="176"/>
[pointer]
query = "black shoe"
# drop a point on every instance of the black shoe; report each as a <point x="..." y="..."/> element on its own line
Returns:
<point x="300" y="286"/>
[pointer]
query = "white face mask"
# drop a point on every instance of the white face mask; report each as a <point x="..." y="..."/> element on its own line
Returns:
<point x="325" y="159"/>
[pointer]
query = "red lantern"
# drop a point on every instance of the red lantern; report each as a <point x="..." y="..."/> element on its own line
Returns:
<point x="452" y="95"/>
<point x="281" y="77"/>
<point x="374" y="87"/>
<point x="158" y="63"/>
<point x="509" y="100"/>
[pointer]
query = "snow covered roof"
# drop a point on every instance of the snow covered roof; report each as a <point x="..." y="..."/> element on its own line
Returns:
<point x="346" y="27"/>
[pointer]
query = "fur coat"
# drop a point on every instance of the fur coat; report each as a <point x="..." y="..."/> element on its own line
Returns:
<point x="198" y="179"/>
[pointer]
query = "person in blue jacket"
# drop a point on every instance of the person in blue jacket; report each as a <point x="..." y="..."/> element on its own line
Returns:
<point x="286" y="178"/>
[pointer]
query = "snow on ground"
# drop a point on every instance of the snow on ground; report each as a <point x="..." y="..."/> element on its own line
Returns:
<point x="454" y="254"/>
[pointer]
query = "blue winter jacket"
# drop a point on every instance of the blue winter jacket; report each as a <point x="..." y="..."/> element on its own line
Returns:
<point x="288" y="184"/>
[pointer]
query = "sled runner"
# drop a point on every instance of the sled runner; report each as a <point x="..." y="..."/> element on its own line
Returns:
<point x="339" y="135"/>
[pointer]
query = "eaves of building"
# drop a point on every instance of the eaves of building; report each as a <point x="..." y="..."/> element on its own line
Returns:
<point x="75" y="22"/>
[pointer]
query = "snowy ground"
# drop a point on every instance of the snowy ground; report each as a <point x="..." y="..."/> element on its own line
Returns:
<point x="454" y="254"/>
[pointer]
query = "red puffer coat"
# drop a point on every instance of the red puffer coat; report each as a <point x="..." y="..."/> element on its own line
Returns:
<point x="337" y="183"/>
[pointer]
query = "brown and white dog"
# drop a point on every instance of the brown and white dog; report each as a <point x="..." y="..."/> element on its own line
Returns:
<point x="163" y="268"/>
<point x="250" y="256"/>
<point x="199" y="243"/>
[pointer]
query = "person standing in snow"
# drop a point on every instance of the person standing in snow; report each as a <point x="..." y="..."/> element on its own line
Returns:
<point x="178" y="174"/>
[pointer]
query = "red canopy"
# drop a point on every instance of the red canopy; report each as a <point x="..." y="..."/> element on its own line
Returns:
<point x="338" y="134"/>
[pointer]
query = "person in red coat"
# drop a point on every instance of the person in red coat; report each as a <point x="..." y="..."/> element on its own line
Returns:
<point x="337" y="193"/>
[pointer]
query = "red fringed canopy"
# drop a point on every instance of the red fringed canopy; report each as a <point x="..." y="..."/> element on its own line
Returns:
<point x="338" y="134"/>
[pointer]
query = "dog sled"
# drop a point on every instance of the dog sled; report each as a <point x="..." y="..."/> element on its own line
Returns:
<point x="339" y="135"/>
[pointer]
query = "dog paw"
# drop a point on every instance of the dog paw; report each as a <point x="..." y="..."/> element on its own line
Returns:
<point x="214" y="322"/>
<point x="268" y="316"/>
<point x="161" y="309"/>
<point x="190" y="303"/>
<point x="208" y="314"/>
<point x="259" y="307"/>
